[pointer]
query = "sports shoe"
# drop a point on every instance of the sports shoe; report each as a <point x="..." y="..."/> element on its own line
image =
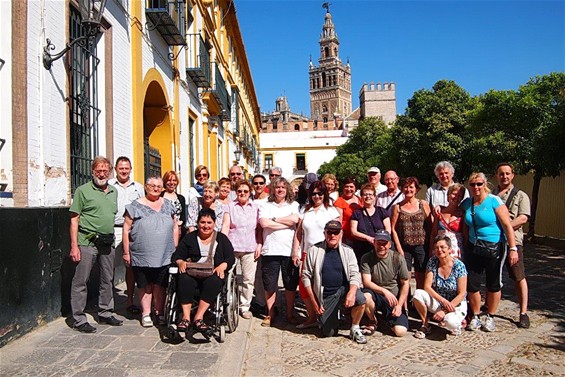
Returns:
<point x="489" y="325"/>
<point x="246" y="314"/>
<point x="475" y="324"/>
<point x="357" y="335"/>
<point x="524" y="321"/>
<point x="457" y="331"/>
<point x="146" y="320"/>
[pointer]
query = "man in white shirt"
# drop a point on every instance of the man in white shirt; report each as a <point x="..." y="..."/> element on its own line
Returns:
<point x="128" y="191"/>
<point x="437" y="193"/>
<point x="392" y="194"/>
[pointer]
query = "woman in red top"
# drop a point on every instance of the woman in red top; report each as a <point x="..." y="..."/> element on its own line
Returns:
<point x="448" y="221"/>
<point x="346" y="204"/>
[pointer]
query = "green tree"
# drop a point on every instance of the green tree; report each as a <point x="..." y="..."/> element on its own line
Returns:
<point x="542" y="109"/>
<point x="524" y="127"/>
<point x="432" y="130"/>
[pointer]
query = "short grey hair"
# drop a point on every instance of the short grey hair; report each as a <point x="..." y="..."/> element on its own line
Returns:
<point x="275" y="168"/>
<point x="444" y="165"/>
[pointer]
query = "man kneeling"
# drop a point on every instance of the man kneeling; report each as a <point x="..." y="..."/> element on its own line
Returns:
<point x="385" y="282"/>
<point x="332" y="279"/>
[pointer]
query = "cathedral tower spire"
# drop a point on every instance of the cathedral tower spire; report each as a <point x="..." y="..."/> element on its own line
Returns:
<point x="330" y="82"/>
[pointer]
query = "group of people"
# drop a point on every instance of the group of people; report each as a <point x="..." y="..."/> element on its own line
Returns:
<point x="352" y="250"/>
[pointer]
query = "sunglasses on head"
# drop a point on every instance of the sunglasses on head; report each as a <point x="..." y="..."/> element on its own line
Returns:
<point x="476" y="184"/>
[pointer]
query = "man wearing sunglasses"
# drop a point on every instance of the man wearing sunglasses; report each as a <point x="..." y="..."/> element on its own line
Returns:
<point x="332" y="280"/>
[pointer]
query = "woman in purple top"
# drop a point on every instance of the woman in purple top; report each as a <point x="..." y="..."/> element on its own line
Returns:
<point x="247" y="241"/>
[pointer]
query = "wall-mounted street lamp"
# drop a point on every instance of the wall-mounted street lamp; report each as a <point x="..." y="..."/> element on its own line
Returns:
<point x="237" y="154"/>
<point x="91" y="18"/>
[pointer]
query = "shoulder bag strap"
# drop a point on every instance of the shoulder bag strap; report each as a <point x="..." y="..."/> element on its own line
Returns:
<point x="370" y="219"/>
<point x="393" y="200"/>
<point x="511" y="196"/>
<point x="473" y="218"/>
<point x="212" y="249"/>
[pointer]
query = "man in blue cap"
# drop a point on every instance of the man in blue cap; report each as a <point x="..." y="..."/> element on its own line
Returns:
<point x="386" y="281"/>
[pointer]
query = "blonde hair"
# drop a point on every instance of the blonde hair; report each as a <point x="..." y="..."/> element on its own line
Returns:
<point x="328" y="177"/>
<point x="479" y="175"/>
<point x="211" y="184"/>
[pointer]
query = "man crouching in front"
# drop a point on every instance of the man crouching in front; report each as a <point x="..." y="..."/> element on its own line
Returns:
<point x="385" y="282"/>
<point x="332" y="279"/>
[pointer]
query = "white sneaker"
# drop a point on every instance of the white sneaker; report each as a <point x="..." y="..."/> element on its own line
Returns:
<point x="457" y="331"/>
<point x="489" y="325"/>
<point x="357" y="335"/>
<point x="146" y="320"/>
<point x="475" y="324"/>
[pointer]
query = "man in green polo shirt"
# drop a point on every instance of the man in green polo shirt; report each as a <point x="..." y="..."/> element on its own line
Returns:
<point x="92" y="228"/>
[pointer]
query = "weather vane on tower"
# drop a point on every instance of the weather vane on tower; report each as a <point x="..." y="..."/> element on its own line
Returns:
<point x="326" y="6"/>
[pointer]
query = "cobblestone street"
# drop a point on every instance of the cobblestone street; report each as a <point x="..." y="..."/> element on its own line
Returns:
<point x="130" y="350"/>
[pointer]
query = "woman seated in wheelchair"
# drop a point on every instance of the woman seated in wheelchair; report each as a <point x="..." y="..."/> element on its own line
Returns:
<point x="214" y="252"/>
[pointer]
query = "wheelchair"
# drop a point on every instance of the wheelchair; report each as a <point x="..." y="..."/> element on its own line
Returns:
<point x="221" y="317"/>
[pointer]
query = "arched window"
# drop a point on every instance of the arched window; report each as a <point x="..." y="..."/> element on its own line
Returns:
<point x="326" y="52"/>
<point x="297" y="127"/>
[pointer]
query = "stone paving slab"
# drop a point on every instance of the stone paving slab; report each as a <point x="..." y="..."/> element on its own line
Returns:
<point x="510" y="351"/>
<point x="131" y="350"/>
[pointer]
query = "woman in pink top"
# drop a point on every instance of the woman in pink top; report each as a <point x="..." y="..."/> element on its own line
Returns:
<point x="244" y="215"/>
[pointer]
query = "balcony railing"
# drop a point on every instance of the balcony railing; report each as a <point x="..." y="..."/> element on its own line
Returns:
<point x="168" y="17"/>
<point x="220" y="93"/>
<point x="199" y="61"/>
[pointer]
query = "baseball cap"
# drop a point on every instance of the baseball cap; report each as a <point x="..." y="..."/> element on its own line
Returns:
<point x="382" y="235"/>
<point x="333" y="225"/>
<point x="309" y="179"/>
<point x="374" y="169"/>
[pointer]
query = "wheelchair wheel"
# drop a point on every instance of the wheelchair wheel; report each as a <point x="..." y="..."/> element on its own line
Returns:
<point x="232" y="302"/>
<point x="222" y="335"/>
<point x="171" y="305"/>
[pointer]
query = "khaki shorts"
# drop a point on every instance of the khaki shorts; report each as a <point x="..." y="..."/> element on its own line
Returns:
<point x="518" y="271"/>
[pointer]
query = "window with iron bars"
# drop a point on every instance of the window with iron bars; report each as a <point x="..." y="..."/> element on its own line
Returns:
<point x="84" y="111"/>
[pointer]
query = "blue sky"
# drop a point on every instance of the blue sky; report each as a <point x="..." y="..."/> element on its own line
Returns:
<point x="481" y="45"/>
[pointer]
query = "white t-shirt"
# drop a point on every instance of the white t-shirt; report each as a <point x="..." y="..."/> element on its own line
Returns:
<point x="277" y="242"/>
<point x="313" y="223"/>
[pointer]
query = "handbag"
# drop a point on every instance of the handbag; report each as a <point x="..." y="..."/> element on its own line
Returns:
<point x="482" y="248"/>
<point x="205" y="269"/>
<point x="103" y="240"/>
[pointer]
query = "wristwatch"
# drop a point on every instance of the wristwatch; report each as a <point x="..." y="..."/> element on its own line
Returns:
<point x="274" y="219"/>
<point x="513" y="248"/>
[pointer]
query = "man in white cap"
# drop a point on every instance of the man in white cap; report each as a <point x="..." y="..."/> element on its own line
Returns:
<point x="374" y="178"/>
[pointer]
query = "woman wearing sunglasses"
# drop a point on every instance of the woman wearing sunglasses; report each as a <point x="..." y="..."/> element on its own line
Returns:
<point x="201" y="175"/>
<point x="309" y="231"/>
<point x="486" y="220"/>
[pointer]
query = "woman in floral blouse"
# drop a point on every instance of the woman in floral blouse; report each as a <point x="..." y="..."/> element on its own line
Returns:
<point x="445" y="291"/>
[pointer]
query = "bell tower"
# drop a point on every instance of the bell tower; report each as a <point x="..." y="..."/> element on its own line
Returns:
<point x="330" y="81"/>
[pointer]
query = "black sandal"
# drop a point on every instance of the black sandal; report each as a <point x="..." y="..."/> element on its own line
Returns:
<point x="199" y="325"/>
<point x="183" y="325"/>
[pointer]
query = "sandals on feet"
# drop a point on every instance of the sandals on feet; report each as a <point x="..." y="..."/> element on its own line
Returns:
<point x="370" y="328"/>
<point x="266" y="322"/>
<point x="199" y="325"/>
<point x="183" y="325"/>
<point x="422" y="332"/>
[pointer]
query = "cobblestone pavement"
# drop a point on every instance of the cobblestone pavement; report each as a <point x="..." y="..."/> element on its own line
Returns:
<point x="131" y="350"/>
<point x="510" y="351"/>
